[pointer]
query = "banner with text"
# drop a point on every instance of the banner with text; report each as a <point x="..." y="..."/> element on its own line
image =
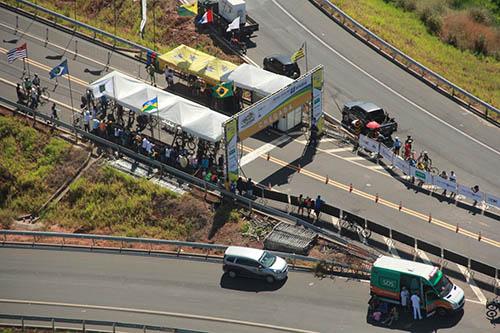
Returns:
<point x="469" y="193"/>
<point x="445" y="184"/>
<point x="386" y="153"/>
<point x="492" y="200"/>
<point x="421" y="174"/>
<point x="231" y="138"/>
<point x="368" y="144"/>
<point x="317" y="109"/>
<point x="273" y="107"/>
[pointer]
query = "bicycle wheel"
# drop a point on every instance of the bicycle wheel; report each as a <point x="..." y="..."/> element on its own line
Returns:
<point x="491" y="306"/>
<point x="434" y="171"/>
<point x="491" y="314"/>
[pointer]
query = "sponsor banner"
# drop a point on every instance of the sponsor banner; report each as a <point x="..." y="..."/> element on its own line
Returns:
<point x="317" y="103"/>
<point x="445" y="184"/>
<point x="230" y="129"/>
<point x="492" y="200"/>
<point x="421" y="174"/>
<point x="467" y="192"/>
<point x="386" y="153"/>
<point x="401" y="164"/>
<point x="368" y="144"/>
<point x="270" y="109"/>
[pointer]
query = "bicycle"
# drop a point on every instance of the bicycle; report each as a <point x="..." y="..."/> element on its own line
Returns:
<point x="354" y="227"/>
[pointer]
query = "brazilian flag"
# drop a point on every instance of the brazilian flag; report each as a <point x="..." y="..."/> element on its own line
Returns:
<point x="223" y="90"/>
<point x="188" y="9"/>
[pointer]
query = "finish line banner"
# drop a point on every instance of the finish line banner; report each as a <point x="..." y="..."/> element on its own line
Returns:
<point x="231" y="138"/>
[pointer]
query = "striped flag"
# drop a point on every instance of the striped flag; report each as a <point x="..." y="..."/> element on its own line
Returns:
<point x="19" y="52"/>
<point x="150" y="106"/>
<point x="299" y="54"/>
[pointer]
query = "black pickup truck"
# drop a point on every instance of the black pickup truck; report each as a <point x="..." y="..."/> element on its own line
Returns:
<point x="220" y="23"/>
<point x="367" y="112"/>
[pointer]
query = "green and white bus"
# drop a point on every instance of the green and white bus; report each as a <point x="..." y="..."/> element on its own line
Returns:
<point x="437" y="293"/>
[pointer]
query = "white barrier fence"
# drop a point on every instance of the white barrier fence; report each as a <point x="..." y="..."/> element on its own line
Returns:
<point x="446" y="184"/>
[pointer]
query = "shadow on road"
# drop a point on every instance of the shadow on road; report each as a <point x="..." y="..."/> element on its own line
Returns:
<point x="431" y="324"/>
<point x="247" y="284"/>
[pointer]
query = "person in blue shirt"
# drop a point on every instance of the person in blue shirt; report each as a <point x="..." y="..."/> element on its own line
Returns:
<point x="396" y="146"/>
<point x="318" y="203"/>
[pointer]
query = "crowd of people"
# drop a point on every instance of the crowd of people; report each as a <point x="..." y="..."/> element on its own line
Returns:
<point x="109" y="121"/>
<point x="29" y="92"/>
<point x="388" y="313"/>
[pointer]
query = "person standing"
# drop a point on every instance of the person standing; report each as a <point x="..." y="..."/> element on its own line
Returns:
<point x="453" y="178"/>
<point x="415" y="302"/>
<point x="444" y="176"/>
<point x="308" y="205"/>
<point x="86" y="121"/>
<point x="54" y="112"/>
<point x="239" y="185"/>
<point x="405" y="296"/>
<point x="250" y="187"/>
<point x="301" y="205"/>
<point x="169" y="77"/>
<point x="318" y="204"/>
<point x="397" y="146"/>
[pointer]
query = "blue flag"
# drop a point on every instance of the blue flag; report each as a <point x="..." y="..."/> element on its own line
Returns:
<point x="59" y="70"/>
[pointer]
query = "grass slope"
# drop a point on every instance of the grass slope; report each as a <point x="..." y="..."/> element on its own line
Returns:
<point x="404" y="30"/>
<point x="33" y="165"/>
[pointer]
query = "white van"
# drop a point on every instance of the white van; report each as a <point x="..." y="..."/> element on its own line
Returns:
<point x="245" y="261"/>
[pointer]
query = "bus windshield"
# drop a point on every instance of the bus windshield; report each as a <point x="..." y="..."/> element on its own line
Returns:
<point x="442" y="284"/>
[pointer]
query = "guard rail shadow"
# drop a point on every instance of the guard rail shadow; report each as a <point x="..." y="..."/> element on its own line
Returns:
<point x="432" y="79"/>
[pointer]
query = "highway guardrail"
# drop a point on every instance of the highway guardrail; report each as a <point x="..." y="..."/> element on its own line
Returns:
<point x="325" y="229"/>
<point x="82" y="325"/>
<point x="407" y="63"/>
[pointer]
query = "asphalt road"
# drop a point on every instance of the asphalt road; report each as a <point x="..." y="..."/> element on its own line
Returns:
<point x="195" y="288"/>
<point x="339" y="166"/>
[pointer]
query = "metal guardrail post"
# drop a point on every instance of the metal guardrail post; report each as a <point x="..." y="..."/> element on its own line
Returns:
<point x="114" y="327"/>
<point x="22" y="324"/>
<point x="53" y="325"/>
<point x="83" y="326"/>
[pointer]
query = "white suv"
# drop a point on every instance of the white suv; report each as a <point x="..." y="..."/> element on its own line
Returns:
<point x="251" y="262"/>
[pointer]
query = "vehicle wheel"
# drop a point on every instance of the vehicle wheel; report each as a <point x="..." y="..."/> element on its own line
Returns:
<point x="270" y="279"/>
<point x="232" y="274"/>
<point x="442" y="312"/>
<point x="491" y="314"/>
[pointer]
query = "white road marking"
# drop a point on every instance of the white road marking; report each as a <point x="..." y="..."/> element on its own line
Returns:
<point x="337" y="150"/>
<point x="157" y="313"/>
<point x="355" y="158"/>
<point x="424" y="257"/>
<point x="263" y="150"/>
<point x="375" y="167"/>
<point x="472" y="284"/>
<point x="381" y="83"/>
<point x="390" y="245"/>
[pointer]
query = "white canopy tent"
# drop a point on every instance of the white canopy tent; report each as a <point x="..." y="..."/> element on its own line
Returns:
<point x="255" y="79"/>
<point x="131" y="93"/>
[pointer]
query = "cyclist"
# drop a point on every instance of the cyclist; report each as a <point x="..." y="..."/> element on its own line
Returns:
<point x="425" y="161"/>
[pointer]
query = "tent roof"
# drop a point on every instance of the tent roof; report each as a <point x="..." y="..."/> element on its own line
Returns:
<point x="185" y="58"/>
<point x="256" y="79"/>
<point x="215" y="69"/>
<point x="193" y="118"/>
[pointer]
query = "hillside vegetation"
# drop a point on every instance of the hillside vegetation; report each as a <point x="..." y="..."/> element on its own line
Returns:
<point x="33" y="165"/>
<point x="444" y="35"/>
<point x="171" y="29"/>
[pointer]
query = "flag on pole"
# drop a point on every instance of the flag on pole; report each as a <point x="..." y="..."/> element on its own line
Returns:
<point x="19" y="52"/>
<point x="189" y="9"/>
<point x="223" y="90"/>
<point x="208" y="17"/>
<point x="299" y="54"/>
<point x="150" y="106"/>
<point x="235" y="25"/>
<point x="59" y="70"/>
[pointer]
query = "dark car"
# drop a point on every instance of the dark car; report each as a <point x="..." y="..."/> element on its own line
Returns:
<point x="282" y="64"/>
<point x="367" y="112"/>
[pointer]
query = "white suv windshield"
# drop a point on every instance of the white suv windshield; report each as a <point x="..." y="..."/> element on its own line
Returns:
<point x="267" y="259"/>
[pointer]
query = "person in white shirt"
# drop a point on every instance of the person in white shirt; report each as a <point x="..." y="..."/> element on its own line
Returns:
<point x="144" y="145"/>
<point x="405" y="296"/>
<point x="415" y="302"/>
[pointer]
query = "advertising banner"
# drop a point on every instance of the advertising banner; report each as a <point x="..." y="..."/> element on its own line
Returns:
<point x="467" y="192"/>
<point x="492" y="200"/>
<point x="445" y="184"/>
<point x="421" y="175"/>
<point x="386" y="153"/>
<point x="368" y="144"/>
<point x="230" y="132"/>
<point x="401" y="165"/>
<point x="272" y="108"/>
<point x="317" y="109"/>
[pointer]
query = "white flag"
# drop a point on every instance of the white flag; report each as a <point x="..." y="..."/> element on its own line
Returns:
<point x="234" y="25"/>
